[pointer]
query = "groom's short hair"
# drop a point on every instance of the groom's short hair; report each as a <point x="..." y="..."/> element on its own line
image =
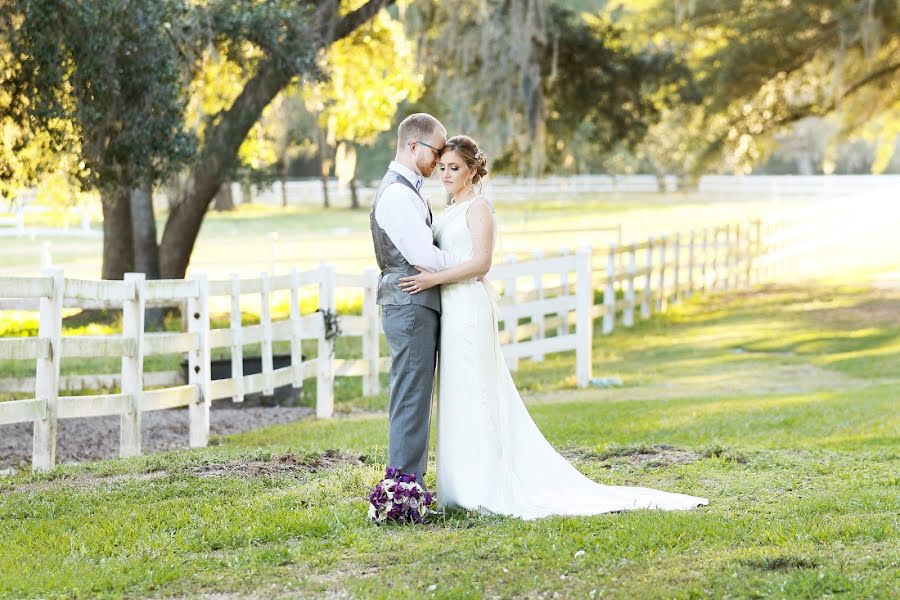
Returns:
<point x="415" y="127"/>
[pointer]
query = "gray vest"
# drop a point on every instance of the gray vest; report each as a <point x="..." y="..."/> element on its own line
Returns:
<point x="392" y="264"/>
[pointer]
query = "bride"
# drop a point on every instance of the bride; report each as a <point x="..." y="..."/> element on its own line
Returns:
<point x="491" y="456"/>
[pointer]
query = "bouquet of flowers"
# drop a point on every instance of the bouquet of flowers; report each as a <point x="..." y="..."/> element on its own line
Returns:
<point x="398" y="497"/>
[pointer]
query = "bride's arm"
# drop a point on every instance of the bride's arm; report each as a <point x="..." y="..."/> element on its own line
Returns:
<point x="480" y="219"/>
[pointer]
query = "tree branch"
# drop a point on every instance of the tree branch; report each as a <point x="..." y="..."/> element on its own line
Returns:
<point x="225" y="137"/>
<point x="352" y="21"/>
<point x="886" y="70"/>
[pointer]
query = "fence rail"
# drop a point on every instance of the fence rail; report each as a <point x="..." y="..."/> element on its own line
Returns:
<point x="547" y="305"/>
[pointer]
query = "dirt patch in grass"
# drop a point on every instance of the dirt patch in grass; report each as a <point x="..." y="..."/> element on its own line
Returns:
<point x="726" y="454"/>
<point x="279" y="465"/>
<point x="780" y="563"/>
<point x="877" y="310"/>
<point x="652" y="456"/>
<point x="283" y="464"/>
<point x="84" y="482"/>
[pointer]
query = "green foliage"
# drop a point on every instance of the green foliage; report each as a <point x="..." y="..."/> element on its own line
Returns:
<point x="602" y="92"/>
<point x="761" y="66"/>
<point x="102" y="80"/>
<point x="369" y="73"/>
<point x="545" y="88"/>
<point x="109" y="82"/>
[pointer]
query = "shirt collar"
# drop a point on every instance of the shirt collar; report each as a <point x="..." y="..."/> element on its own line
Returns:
<point x="410" y="175"/>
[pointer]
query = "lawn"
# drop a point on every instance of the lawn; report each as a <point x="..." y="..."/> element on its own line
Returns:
<point x="780" y="406"/>
<point x="242" y="241"/>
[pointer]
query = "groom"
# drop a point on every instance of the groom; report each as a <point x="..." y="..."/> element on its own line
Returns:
<point x="402" y="235"/>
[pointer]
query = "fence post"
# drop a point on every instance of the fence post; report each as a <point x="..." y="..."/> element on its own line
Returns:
<point x="296" y="333"/>
<point x="584" y="330"/>
<point x="371" y="335"/>
<point x="729" y="257"/>
<point x="714" y="264"/>
<point x="198" y="363"/>
<point x="704" y="254"/>
<point x="511" y="325"/>
<point x="628" y="316"/>
<point x="609" y="292"/>
<point x="676" y="270"/>
<point x="753" y="274"/>
<point x="265" y="297"/>
<point x="737" y="256"/>
<point x="620" y="264"/>
<point x="325" y="359"/>
<point x="647" y="296"/>
<point x="563" y="328"/>
<point x="661" y="299"/>
<point x="538" y="318"/>
<point x="746" y="258"/>
<point x="237" y="340"/>
<point x="133" y="367"/>
<point x="690" y="277"/>
<point x="47" y="376"/>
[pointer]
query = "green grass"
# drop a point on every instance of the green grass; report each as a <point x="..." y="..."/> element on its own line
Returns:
<point x="779" y="406"/>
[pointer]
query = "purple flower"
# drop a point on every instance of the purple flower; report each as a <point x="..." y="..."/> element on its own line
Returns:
<point x="399" y="498"/>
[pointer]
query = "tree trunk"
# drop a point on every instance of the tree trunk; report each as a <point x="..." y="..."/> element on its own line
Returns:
<point x="224" y="201"/>
<point x="143" y="231"/>
<point x="285" y="165"/>
<point x="118" y="249"/>
<point x="345" y="168"/>
<point x="146" y="250"/>
<point x="222" y="141"/>
<point x="325" y="202"/>
<point x="218" y="157"/>
<point x="354" y="196"/>
<point x="324" y="163"/>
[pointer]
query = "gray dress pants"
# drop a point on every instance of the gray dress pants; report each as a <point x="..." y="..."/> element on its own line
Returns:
<point x="412" y="334"/>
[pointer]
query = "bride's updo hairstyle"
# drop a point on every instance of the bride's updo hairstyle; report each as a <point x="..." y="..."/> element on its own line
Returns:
<point x="471" y="154"/>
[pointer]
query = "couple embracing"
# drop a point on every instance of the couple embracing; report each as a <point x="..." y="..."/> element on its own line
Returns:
<point x="436" y="306"/>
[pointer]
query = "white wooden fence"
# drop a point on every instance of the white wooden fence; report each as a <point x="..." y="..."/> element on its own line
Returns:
<point x="309" y="191"/>
<point x="547" y="306"/>
<point x="802" y="186"/>
<point x="14" y="224"/>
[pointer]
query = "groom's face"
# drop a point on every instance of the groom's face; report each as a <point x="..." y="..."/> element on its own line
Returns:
<point x="429" y="153"/>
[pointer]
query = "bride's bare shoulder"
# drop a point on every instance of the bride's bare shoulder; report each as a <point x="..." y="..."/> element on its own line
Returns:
<point x="482" y="203"/>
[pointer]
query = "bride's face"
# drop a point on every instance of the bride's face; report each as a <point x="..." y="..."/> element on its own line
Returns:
<point x="454" y="172"/>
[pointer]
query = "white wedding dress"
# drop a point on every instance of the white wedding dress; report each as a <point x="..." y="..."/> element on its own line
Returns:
<point x="491" y="456"/>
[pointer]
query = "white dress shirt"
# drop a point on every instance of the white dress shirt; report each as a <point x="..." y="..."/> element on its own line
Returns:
<point x="402" y="213"/>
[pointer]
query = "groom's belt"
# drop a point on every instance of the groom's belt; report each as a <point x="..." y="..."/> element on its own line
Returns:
<point x="401" y="270"/>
